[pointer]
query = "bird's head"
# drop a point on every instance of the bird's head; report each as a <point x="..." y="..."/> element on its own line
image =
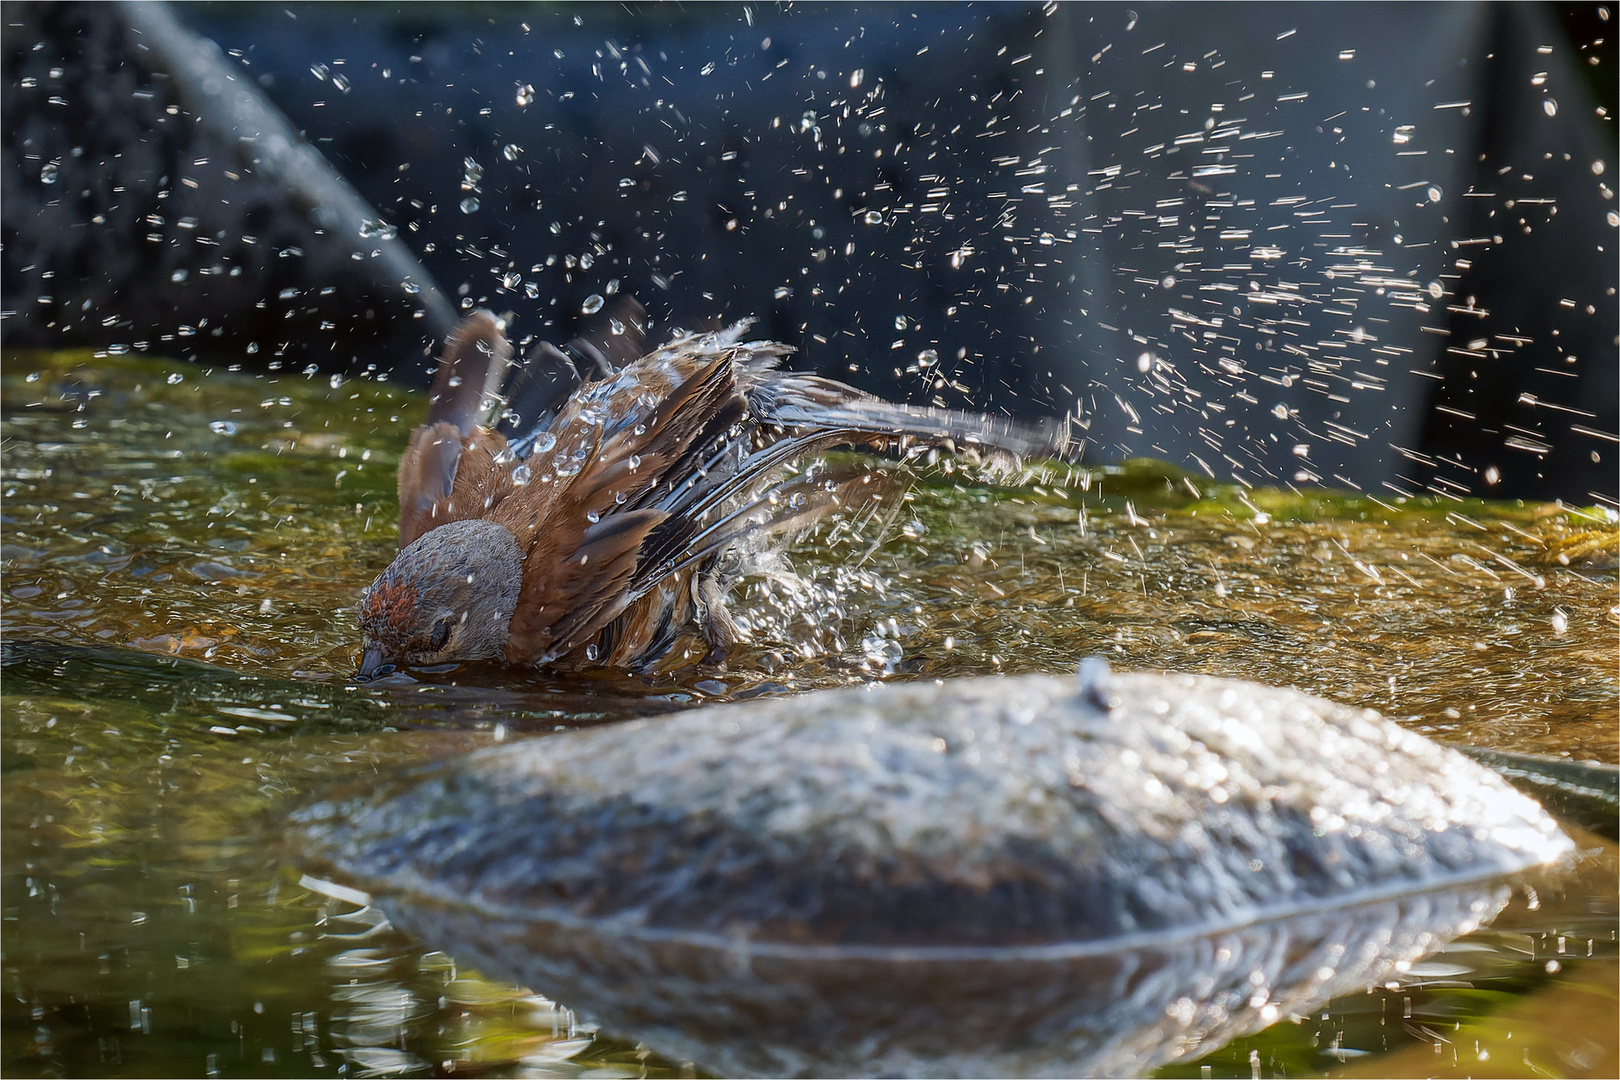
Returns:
<point x="447" y="597"/>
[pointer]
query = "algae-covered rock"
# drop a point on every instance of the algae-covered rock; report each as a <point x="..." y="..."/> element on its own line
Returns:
<point x="1013" y="875"/>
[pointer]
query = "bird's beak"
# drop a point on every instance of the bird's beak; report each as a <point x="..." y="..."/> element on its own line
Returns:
<point x="373" y="663"/>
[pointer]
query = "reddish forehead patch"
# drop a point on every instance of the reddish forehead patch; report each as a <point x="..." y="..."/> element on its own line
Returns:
<point x="390" y="601"/>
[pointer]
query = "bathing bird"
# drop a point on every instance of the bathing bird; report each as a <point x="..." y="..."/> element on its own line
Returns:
<point x="593" y="505"/>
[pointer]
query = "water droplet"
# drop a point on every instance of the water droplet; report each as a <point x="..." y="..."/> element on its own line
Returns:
<point x="525" y="95"/>
<point x="899" y="322"/>
<point x="586" y="261"/>
<point x="1435" y="193"/>
<point x="634" y="461"/>
<point x="1130" y="20"/>
<point x="544" y="441"/>
<point x="873" y="217"/>
<point x="593" y="516"/>
<point x="612" y="289"/>
<point x="471" y="174"/>
<point x="175" y="378"/>
<point x="1436" y="290"/>
<point x="1550" y="106"/>
<point x="520" y="475"/>
<point x="222" y="427"/>
<point x="783" y="292"/>
<point x="1538" y="79"/>
<point x="591" y="650"/>
<point x="1597" y="167"/>
<point x="379" y="229"/>
<point x="335" y="381"/>
<point x="593" y="303"/>
<point x="511" y="151"/>
<point x="1280" y="411"/>
<point x="511" y="279"/>
<point x="1144" y="363"/>
<point x="469" y="205"/>
<point x="625" y="181"/>
<point x="927" y="358"/>
<point x="410" y="286"/>
<point x="1560" y="622"/>
<point x="707" y="69"/>
<point x="1168" y="282"/>
<point x="856" y="77"/>
<point x="881" y="650"/>
<point x="47" y="173"/>
<point x="179" y="275"/>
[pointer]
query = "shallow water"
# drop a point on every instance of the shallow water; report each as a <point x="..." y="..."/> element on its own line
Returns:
<point x="183" y="552"/>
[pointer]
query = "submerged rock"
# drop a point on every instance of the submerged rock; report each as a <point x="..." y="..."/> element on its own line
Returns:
<point x="988" y="876"/>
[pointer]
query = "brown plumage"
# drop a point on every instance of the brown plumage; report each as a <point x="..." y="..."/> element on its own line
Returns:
<point x="610" y="509"/>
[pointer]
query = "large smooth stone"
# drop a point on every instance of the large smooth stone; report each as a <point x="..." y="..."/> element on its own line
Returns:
<point x="982" y="877"/>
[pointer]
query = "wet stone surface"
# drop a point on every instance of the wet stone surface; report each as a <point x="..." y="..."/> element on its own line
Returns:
<point x="1013" y="832"/>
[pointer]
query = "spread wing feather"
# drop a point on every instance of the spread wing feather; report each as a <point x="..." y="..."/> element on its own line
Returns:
<point x="651" y="473"/>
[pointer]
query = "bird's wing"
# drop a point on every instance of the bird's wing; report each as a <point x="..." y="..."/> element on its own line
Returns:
<point x="582" y="533"/>
<point x="539" y="390"/>
<point x="450" y="471"/>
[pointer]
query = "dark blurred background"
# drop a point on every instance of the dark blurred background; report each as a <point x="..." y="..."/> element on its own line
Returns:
<point x="1365" y="245"/>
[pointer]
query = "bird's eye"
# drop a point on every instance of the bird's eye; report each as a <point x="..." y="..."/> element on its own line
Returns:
<point x="441" y="632"/>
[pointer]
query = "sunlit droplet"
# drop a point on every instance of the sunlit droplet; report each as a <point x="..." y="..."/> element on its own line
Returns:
<point x="1597" y="167"/>
<point x="1560" y="622"/>
<point x="520" y="475"/>
<point x="47" y="173"/>
<point x="593" y="303"/>
<point x="222" y="427"/>
<point x="469" y="205"/>
<point x="1144" y="363"/>
<point x="1550" y="106"/>
<point x="1493" y="475"/>
<point x="899" y="322"/>
<point x="525" y="95"/>
<point x="1435" y="193"/>
<point x="1280" y="411"/>
<point x="1436" y="290"/>
<point x="927" y="358"/>
<point x="511" y="151"/>
<point x="873" y="217"/>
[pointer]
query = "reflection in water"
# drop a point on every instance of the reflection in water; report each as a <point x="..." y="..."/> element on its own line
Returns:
<point x="1100" y="1013"/>
<point x="148" y="928"/>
